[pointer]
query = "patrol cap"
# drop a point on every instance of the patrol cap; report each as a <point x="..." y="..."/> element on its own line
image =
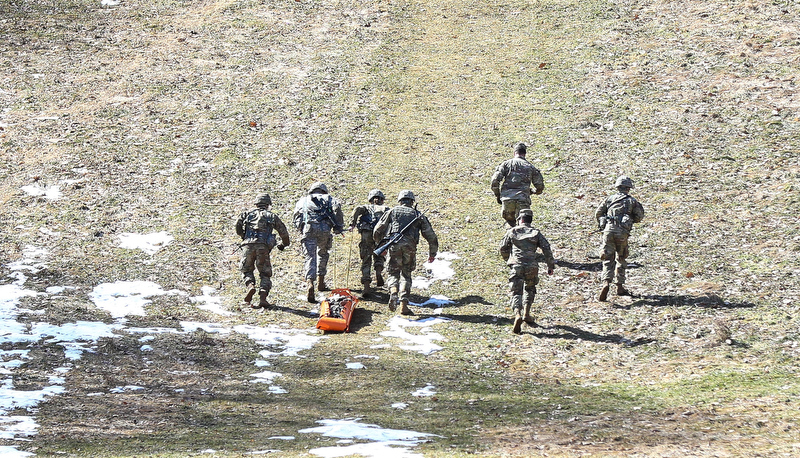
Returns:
<point x="405" y="194"/>
<point x="375" y="193"/>
<point x="521" y="148"/>
<point x="525" y="212"/>
<point x="263" y="199"/>
<point x="624" y="182"/>
<point x="318" y="186"/>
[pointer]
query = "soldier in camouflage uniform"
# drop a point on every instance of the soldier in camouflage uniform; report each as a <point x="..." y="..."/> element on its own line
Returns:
<point x="315" y="216"/>
<point x="364" y="218"/>
<point x="616" y="216"/>
<point x="255" y="228"/>
<point x="517" y="176"/>
<point x="518" y="249"/>
<point x="403" y="254"/>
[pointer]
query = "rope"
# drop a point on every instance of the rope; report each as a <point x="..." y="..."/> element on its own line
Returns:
<point x="349" y="257"/>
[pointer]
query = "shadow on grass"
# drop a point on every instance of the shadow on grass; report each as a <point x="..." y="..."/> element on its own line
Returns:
<point x="594" y="266"/>
<point x="711" y="301"/>
<point x="573" y="333"/>
<point x="362" y="318"/>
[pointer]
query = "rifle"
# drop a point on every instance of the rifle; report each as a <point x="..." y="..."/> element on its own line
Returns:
<point x="327" y="212"/>
<point x="396" y="236"/>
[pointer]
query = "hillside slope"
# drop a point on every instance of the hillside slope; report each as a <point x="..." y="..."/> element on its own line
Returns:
<point x="142" y="117"/>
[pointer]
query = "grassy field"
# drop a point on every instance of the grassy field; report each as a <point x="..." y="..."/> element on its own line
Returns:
<point x="159" y="115"/>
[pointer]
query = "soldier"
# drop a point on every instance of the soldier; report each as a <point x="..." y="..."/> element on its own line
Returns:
<point x="403" y="254"/>
<point x="517" y="176"/>
<point x="365" y="217"/>
<point x="315" y="215"/>
<point x="255" y="228"/>
<point x="616" y="216"/>
<point x="518" y="249"/>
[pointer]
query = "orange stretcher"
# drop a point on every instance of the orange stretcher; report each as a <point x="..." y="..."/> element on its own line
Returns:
<point x="336" y="311"/>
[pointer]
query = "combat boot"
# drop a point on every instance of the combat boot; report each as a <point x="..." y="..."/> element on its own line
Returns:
<point x="528" y="318"/>
<point x="311" y="297"/>
<point x="367" y="290"/>
<point x="378" y="279"/>
<point x="404" y="310"/>
<point x="262" y="300"/>
<point x="621" y="291"/>
<point x="321" y="283"/>
<point x="604" y="292"/>
<point x="517" y="324"/>
<point x="251" y="291"/>
<point x="393" y="299"/>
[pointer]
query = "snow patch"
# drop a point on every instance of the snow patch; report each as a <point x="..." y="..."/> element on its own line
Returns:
<point x="385" y="443"/>
<point x="426" y="391"/>
<point x="149" y="243"/>
<point x="422" y="342"/>
<point x="438" y="270"/>
<point x="210" y="301"/>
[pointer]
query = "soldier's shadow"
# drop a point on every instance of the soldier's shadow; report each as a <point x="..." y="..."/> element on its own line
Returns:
<point x="573" y="333"/>
<point x="708" y="300"/>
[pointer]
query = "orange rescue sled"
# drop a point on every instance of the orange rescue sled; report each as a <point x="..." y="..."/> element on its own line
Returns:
<point x="336" y="310"/>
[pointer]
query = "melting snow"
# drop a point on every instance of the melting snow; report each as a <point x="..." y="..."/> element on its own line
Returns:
<point x="210" y="301"/>
<point x="439" y="269"/>
<point x="427" y="391"/>
<point x="385" y="443"/>
<point x="37" y="190"/>
<point x="125" y="297"/>
<point x="354" y="366"/>
<point x="423" y="342"/>
<point x="149" y="243"/>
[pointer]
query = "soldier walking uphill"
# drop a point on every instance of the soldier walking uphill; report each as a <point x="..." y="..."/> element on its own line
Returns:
<point x="315" y="216"/>
<point x="518" y="249"/>
<point x="365" y="217"/>
<point x="255" y="228"/>
<point x="517" y="176"/>
<point x="407" y="221"/>
<point x="616" y="216"/>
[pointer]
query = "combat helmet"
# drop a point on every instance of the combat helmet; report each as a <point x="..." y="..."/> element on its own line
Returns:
<point x="525" y="212"/>
<point x="375" y="193"/>
<point x="263" y="200"/>
<point x="624" y="182"/>
<point x="406" y="194"/>
<point x="318" y="186"/>
<point x="521" y="148"/>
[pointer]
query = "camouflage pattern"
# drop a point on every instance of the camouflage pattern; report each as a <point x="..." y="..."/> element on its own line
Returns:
<point x="255" y="227"/>
<point x="311" y="219"/>
<point x="403" y="254"/>
<point x="518" y="249"/>
<point x="616" y="216"/>
<point x="364" y="218"/>
<point x="512" y="181"/>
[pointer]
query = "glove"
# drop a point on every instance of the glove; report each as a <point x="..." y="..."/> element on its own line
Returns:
<point x="499" y="201"/>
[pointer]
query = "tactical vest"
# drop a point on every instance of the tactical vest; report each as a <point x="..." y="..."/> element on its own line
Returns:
<point x="370" y="218"/>
<point x="619" y="212"/>
<point x="258" y="225"/>
<point x="401" y="216"/>
<point x="519" y="175"/>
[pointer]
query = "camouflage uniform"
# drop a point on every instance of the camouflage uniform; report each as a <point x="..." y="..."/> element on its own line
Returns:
<point x="402" y="255"/>
<point x="255" y="228"/>
<point x="616" y="216"/>
<point x="518" y="249"/>
<point x="517" y="176"/>
<point x="364" y="218"/>
<point x="315" y="215"/>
